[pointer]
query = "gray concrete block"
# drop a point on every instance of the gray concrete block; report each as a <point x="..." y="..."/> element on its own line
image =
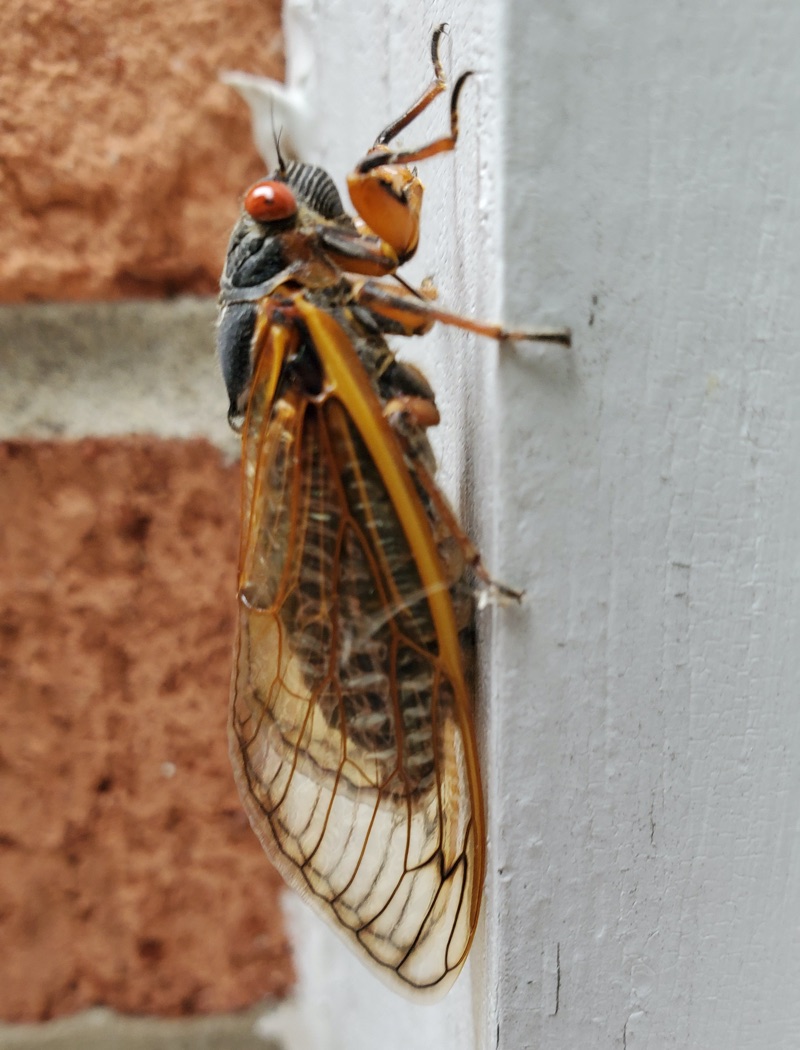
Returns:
<point x="101" y="1029"/>
<point x="74" y="369"/>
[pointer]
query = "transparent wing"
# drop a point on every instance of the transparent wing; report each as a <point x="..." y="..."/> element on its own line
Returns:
<point x="350" y="736"/>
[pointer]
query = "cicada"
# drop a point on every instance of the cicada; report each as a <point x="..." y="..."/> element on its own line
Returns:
<point x="351" y="730"/>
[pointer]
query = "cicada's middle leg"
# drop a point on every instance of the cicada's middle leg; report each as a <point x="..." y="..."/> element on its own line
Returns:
<point x="415" y="314"/>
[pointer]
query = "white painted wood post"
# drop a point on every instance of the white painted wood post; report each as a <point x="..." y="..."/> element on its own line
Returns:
<point x="645" y="714"/>
<point x="632" y="170"/>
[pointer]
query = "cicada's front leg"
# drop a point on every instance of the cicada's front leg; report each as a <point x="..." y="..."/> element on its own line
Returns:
<point x="387" y="194"/>
<point x="385" y="190"/>
<point x="432" y="91"/>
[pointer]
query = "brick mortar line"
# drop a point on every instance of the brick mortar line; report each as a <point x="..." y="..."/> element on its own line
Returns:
<point x="76" y="369"/>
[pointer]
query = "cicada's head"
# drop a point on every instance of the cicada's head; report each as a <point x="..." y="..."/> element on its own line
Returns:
<point x="296" y="196"/>
<point x="313" y="188"/>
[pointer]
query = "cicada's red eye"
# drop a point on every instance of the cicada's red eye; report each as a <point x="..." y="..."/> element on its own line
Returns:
<point x="269" y="201"/>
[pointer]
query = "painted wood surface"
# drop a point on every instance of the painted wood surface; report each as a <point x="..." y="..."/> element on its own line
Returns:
<point x="631" y="170"/>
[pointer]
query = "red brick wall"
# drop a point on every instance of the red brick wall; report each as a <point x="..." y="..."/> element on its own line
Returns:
<point x="123" y="154"/>
<point x="128" y="875"/>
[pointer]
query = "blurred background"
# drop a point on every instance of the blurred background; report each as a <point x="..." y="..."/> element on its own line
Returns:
<point x="129" y="878"/>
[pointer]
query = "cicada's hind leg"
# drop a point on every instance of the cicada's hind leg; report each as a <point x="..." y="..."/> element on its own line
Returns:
<point x="490" y="590"/>
<point x="423" y="412"/>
